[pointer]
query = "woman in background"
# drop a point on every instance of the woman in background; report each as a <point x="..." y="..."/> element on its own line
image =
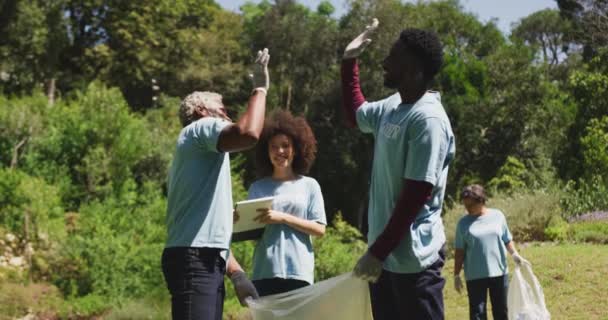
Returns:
<point x="482" y="241"/>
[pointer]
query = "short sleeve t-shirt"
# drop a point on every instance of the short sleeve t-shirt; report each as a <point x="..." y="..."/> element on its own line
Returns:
<point x="199" y="208"/>
<point x="483" y="239"/>
<point x="284" y="252"/>
<point x="412" y="141"/>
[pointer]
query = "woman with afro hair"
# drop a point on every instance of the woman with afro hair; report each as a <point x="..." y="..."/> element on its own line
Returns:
<point x="283" y="259"/>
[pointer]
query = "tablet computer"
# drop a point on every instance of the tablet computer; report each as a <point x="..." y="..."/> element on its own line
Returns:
<point x="246" y="228"/>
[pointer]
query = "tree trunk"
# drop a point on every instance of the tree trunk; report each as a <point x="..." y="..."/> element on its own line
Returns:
<point x="50" y="91"/>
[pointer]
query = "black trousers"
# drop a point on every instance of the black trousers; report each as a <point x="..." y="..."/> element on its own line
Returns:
<point x="195" y="279"/>
<point x="267" y="287"/>
<point x="478" y="296"/>
<point x="409" y="296"/>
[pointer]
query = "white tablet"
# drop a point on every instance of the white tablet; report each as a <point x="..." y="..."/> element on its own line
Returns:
<point x="246" y="228"/>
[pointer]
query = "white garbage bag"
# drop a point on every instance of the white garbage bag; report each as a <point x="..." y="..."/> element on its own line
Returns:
<point x="344" y="297"/>
<point x="525" y="299"/>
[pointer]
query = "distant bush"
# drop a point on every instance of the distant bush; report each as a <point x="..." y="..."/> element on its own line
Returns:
<point x="116" y="246"/>
<point x="23" y="197"/>
<point x="338" y="250"/>
<point x="528" y="213"/>
<point x="585" y="196"/>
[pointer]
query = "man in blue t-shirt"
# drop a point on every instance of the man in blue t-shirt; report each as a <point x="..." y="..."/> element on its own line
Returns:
<point x="414" y="146"/>
<point x="199" y="208"/>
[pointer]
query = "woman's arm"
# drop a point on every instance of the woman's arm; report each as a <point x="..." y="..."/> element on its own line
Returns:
<point x="458" y="260"/>
<point x="312" y="228"/>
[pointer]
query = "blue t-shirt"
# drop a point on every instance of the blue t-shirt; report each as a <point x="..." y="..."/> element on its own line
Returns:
<point x="412" y="141"/>
<point x="199" y="209"/>
<point x="483" y="239"/>
<point x="284" y="252"/>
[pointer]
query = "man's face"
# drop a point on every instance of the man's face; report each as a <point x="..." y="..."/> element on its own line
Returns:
<point x="217" y="110"/>
<point x="400" y="70"/>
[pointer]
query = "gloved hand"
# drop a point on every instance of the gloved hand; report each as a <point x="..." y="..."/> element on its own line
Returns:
<point x="259" y="77"/>
<point x="518" y="259"/>
<point x="356" y="47"/>
<point x="458" y="283"/>
<point x="368" y="268"/>
<point x="243" y="287"/>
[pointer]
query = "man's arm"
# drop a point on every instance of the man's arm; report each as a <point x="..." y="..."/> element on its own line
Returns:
<point x="352" y="97"/>
<point x="413" y="196"/>
<point x="411" y="199"/>
<point x="244" y="134"/>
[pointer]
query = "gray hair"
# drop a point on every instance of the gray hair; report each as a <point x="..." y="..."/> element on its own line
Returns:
<point x="206" y="99"/>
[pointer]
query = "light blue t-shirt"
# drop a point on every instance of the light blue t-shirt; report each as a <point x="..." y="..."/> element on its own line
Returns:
<point x="284" y="252"/>
<point x="412" y="141"/>
<point x="199" y="209"/>
<point x="483" y="239"/>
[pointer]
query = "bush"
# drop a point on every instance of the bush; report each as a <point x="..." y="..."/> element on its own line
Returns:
<point x="558" y="229"/>
<point x="528" y="214"/>
<point x="24" y="197"/>
<point x="338" y="250"/>
<point x="585" y="196"/>
<point x="115" y="249"/>
<point x="595" y="232"/>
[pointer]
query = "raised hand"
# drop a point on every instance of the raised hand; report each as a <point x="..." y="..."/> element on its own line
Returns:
<point x="259" y="76"/>
<point x="358" y="45"/>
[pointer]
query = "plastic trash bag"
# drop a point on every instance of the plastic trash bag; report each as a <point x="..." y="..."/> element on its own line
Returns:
<point x="525" y="299"/>
<point x="344" y="297"/>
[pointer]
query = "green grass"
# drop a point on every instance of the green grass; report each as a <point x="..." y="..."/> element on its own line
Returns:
<point x="573" y="278"/>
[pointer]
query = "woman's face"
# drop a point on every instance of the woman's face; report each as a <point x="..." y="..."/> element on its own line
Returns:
<point x="469" y="203"/>
<point x="281" y="151"/>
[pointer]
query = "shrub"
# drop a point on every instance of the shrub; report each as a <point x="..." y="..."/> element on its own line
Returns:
<point x="528" y="213"/>
<point x="557" y="229"/>
<point x="338" y="250"/>
<point x="585" y="196"/>
<point x="596" y="232"/>
<point x="25" y="197"/>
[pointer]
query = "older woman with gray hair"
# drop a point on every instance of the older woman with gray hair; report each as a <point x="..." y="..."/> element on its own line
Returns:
<point x="482" y="242"/>
<point x="199" y="208"/>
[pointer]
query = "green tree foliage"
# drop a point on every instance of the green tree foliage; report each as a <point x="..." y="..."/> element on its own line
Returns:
<point x="29" y="207"/>
<point x="547" y="31"/>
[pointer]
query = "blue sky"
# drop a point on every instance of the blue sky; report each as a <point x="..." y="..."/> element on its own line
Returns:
<point x="506" y="11"/>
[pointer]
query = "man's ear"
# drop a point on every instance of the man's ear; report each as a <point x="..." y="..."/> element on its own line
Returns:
<point x="201" y="112"/>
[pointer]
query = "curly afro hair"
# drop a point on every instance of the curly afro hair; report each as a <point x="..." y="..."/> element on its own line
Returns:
<point x="426" y="46"/>
<point x="300" y="133"/>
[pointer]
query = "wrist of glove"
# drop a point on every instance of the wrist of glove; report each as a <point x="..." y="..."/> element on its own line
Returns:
<point x="243" y="287"/>
<point x="368" y="268"/>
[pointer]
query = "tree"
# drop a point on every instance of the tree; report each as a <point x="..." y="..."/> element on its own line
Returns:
<point x="546" y="30"/>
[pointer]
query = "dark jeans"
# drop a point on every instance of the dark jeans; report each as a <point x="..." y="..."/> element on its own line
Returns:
<point x="195" y="278"/>
<point x="478" y="293"/>
<point x="410" y="296"/>
<point x="266" y="287"/>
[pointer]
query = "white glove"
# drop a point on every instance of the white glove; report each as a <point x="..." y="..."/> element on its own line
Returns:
<point x="259" y="77"/>
<point x="518" y="259"/>
<point x="368" y="268"/>
<point x="458" y="283"/>
<point x="356" y="47"/>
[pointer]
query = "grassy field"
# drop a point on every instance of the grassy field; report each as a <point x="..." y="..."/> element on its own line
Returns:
<point x="573" y="277"/>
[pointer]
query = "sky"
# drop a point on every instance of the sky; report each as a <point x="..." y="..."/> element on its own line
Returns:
<point x="506" y="11"/>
